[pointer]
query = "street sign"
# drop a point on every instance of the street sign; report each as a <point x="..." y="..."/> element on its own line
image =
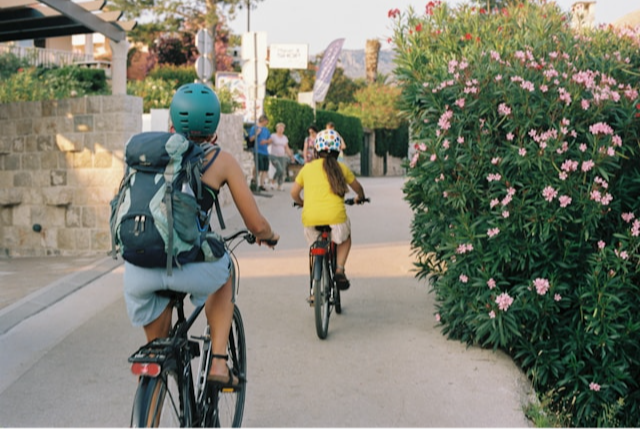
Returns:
<point x="288" y="56"/>
<point x="204" y="68"/>
<point x="254" y="45"/>
<point x="204" y="42"/>
<point x="249" y="70"/>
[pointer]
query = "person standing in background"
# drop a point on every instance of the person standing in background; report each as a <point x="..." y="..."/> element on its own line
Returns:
<point x="262" y="137"/>
<point x="308" y="150"/>
<point x="343" y="145"/>
<point x="281" y="154"/>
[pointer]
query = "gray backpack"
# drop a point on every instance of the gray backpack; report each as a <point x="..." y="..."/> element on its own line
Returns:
<point x="156" y="217"/>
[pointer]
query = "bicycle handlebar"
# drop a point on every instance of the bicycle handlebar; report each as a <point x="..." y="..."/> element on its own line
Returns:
<point x="347" y="201"/>
<point x="352" y="201"/>
<point x="248" y="237"/>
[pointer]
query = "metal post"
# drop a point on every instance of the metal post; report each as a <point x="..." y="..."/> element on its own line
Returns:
<point x="255" y="105"/>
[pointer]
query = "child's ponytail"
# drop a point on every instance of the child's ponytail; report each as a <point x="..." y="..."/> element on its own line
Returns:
<point x="334" y="173"/>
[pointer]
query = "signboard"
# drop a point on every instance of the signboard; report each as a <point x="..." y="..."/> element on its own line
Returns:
<point x="204" y="68"/>
<point x="254" y="45"/>
<point x="288" y="56"/>
<point x="204" y="42"/>
<point x="325" y="72"/>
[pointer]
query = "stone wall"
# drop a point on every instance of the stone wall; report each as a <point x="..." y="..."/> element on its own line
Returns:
<point x="61" y="163"/>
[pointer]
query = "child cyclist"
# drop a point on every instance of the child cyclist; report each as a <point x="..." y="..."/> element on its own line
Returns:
<point x="195" y="113"/>
<point x="325" y="182"/>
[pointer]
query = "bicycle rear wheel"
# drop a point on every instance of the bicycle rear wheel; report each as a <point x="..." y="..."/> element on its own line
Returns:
<point x="157" y="402"/>
<point x="225" y="408"/>
<point x="322" y="295"/>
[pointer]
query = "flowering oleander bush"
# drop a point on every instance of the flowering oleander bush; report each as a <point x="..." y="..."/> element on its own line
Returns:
<point x="525" y="186"/>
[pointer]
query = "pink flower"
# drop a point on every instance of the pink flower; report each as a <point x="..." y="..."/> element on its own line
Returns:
<point x="600" y="128"/>
<point x="494" y="202"/>
<point x="504" y="301"/>
<point x="564" y="201"/>
<point x="492" y="314"/>
<point x="460" y="102"/>
<point x="635" y="229"/>
<point x="569" y="165"/>
<point x="584" y="104"/>
<point x="504" y="110"/>
<point x="494" y="177"/>
<point x="460" y="139"/>
<point x="496" y="160"/>
<point x="582" y="147"/>
<point x="437" y="317"/>
<point x="522" y="151"/>
<point x="510" y="136"/>
<point x="505" y="214"/>
<point x="493" y="232"/>
<point x="557" y="297"/>
<point x="445" y="118"/>
<point x="594" y="386"/>
<point x="464" y="278"/>
<point x="464" y="248"/>
<point x="491" y="283"/>
<point x="433" y="157"/>
<point x="541" y="285"/>
<point x="587" y="165"/>
<point x="601" y="244"/>
<point x="628" y="217"/>
<point x="549" y="193"/>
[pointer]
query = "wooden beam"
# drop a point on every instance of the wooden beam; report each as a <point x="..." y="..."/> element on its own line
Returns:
<point x="86" y="18"/>
<point x="8" y="4"/>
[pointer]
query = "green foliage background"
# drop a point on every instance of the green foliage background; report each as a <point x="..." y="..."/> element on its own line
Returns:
<point x="525" y="188"/>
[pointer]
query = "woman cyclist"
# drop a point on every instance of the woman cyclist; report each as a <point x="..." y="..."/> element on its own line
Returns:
<point x="325" y="182"/>
<point x="195" y="113"/>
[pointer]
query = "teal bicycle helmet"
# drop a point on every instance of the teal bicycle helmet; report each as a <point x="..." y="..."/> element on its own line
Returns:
<point x="195" y="110"/>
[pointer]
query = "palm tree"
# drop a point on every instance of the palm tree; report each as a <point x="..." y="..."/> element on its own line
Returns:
<point x="371" y="52"/>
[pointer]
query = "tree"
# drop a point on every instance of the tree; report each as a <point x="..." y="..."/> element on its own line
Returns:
<point x="341" y="91"/>
<point x="281" y="84"/>
<point x="170" y="16"/>
<point x="376" y="106"/>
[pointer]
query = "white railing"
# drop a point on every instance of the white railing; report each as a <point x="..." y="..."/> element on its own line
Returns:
<point x="45" y="57"/>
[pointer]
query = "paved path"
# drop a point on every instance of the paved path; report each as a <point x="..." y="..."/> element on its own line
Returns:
<point x="384" y="363"/>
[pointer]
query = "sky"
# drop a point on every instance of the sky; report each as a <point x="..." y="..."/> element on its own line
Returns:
<point x="318" y="23"/>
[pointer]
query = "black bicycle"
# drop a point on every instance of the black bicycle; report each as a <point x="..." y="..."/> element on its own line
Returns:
<point x="167" y="394"/>
<point x="322" y="265"/>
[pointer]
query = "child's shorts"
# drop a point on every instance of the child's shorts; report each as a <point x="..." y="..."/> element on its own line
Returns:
<point x="339" y="232"/>
<point x="200" y="279"/>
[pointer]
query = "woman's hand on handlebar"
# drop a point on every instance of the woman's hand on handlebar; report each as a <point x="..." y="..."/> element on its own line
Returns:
<point x="271" y="241"/>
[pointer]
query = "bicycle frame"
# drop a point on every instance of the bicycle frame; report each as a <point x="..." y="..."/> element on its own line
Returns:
<point x="197" y="403"/>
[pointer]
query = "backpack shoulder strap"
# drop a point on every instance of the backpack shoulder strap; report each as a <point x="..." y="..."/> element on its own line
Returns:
<point x="215" y="148"/>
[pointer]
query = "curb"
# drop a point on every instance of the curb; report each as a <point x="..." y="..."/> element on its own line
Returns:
<point x="34" y="303"/>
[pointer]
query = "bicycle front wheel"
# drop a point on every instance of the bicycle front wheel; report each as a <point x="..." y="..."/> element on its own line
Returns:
<point x="321" y="295"/>
<point x="226" y="406"/>
<point x="157" y="402"/>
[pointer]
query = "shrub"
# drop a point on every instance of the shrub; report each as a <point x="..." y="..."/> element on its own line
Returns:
<point x="10" y="64"/>
<point x="36" y="84"/>
<point x="178" y="75"/>
<point x="155" y="93"/>
<point x="296" y="117"/>
<point x="525" y="188"/>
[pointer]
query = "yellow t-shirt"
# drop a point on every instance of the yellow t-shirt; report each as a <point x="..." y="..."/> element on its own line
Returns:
<point x="321" y="205"/>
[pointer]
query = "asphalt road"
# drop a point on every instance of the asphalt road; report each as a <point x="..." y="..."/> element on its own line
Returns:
<point x="384" y="363"/>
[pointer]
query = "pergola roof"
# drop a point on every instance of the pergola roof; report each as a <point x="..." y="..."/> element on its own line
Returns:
<point x="35" y="19"/>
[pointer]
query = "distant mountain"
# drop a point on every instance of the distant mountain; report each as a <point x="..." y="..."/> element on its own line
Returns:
<point x="352" y="61"/>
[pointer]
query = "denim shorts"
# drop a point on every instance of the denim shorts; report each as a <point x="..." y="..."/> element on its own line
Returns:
<point x="200" y="279"/>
